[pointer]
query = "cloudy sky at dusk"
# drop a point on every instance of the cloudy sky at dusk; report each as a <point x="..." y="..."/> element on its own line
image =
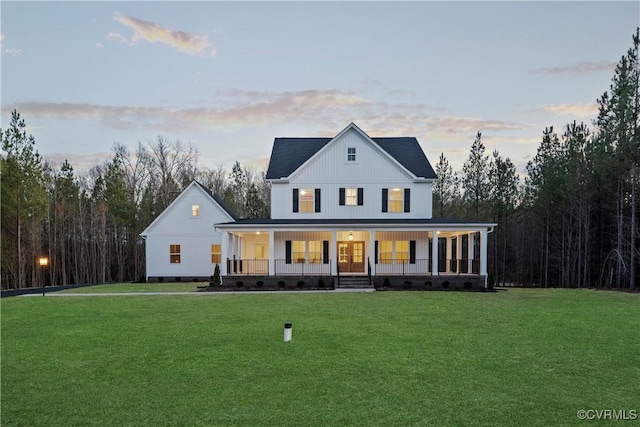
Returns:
<point x="230" y="77"/>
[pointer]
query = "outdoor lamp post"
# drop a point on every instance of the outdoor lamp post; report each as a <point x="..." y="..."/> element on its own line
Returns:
<point x="43" y="261"/>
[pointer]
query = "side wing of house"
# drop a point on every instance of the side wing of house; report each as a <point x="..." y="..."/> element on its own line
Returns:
<point x="182" y="242"/>
<point x="354" y="176"/>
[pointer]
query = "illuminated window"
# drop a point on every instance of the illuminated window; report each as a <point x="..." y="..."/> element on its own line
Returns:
<point x="174" y="254"/>
<point x="402" y="250"/>
<point x="351" y="154"/>
<point x="396" y="200"/>
<point x="351" y="196"/>
<point x="306" y="200"/>
<point x="195" y="211"/>
<point x="298" y="251"/>
<point x="315" y="252"/>
<point x="216" y="254"/>
<point x="385" y="252"/>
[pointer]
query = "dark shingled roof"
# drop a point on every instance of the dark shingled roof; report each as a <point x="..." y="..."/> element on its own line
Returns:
<point x="289" y="154"/>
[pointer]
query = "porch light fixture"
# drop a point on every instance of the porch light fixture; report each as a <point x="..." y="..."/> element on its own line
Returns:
<point x="258" y="233"/>
<point x="350" y="235"/>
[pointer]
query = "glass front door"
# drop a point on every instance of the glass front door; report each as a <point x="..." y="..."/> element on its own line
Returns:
<point x="351" y="257"/>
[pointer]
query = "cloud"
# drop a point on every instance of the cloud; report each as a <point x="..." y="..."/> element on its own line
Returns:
<point x="583" y="67"/>
<point x="99" y="45"/>
<point x="154" y="33"/>
<point x="13" y="51"/>
<point x="117" y="36"/>
<point x="578" y="110"/>
<point x="264" y="108"/>
<point x="321" y="112"/>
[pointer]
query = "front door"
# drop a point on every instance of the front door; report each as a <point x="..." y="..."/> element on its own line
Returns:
<point x="351" y="257"/>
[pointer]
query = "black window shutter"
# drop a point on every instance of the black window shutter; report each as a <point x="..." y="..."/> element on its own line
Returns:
<point x="375" y="257"/>
<point x="385" y="199"/>
<point x="360" y="196"/>
<point x="412" y="251"/>
<point x="317" y="200"/>
<point x="325" y="252"/>
<point x="295" y="200"/>
<point x="341" y="197"/>
<point x="407" y="199"/>
<point x="287" y="252"/>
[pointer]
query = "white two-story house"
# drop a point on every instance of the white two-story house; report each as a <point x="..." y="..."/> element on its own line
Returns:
<point x="351" y="205"/>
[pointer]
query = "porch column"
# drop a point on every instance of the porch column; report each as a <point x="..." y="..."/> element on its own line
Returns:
<point x="434" y="253"/>
<point x="459" y="256"/>
<point x="470" y="253"/>
<point x="449" y="256"/>
<point x="333" y="250"/>
<point x="224" y="253"/>
<point x="483" y="254"/>
<point x="372" y="251"/>
<point x="272" y="250"/>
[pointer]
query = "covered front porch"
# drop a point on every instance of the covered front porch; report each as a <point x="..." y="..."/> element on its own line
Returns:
<point x="355" y="249"/>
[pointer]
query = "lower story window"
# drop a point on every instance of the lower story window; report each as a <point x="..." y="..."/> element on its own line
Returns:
<point x="386" y="252"/>
<point x="216" y="252"/>
<point x="315" y="252"/>
<point x="174" y="254"/>
<point x="298" y="251"/>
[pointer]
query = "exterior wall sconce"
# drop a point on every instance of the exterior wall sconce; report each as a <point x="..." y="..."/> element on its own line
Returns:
<point x="350" y="235"/>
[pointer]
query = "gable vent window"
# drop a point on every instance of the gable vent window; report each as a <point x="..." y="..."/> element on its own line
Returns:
<point x="195" y="211"/>
<point x="351" y="154"/>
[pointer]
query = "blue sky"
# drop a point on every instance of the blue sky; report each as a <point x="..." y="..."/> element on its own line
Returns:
<point x="230" y="77"/>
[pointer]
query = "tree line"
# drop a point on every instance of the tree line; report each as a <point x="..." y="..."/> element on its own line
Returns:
<point x="88" y="225"/>
<point x="572" y="220"/>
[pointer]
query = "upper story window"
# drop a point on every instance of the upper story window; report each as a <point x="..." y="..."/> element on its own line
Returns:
<point x="396" y="200"/>
<point x="351" y="196"/>
<point x="306" y="200"/>
<point x="195" y="211"/>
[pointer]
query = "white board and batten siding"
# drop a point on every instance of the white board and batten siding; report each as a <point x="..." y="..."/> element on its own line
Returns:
<point x="329" y="170"/>
<point x="176" y="225"/>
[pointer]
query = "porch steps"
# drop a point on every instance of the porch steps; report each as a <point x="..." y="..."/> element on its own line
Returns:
<point x="347" y="282"/>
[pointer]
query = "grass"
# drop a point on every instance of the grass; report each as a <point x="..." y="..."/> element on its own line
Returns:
<point x="520" y="357"/>
<point x="137" y="287"/>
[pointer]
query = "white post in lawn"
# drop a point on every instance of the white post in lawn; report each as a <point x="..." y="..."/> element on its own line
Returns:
<point x="287" y="332"/>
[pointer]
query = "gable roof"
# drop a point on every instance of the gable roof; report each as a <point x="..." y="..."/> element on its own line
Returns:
<point x="218" y="200"/>
<point x="288" y="154"/>
<point x="194" y="183"/>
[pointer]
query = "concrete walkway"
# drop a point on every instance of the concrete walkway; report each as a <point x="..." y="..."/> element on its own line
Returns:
<point x="123" y="294"/>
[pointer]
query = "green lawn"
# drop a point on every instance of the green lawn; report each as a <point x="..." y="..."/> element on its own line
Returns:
<point x="517" y="357"/>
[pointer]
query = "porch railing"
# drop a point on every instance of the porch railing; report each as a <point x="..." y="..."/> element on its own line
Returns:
<point x="302" y="268"/>
<point x="247" y="267"/>
<point x="392" y="267"/>
<point x="399" y="267"/>
<point x="384" y="267"/>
